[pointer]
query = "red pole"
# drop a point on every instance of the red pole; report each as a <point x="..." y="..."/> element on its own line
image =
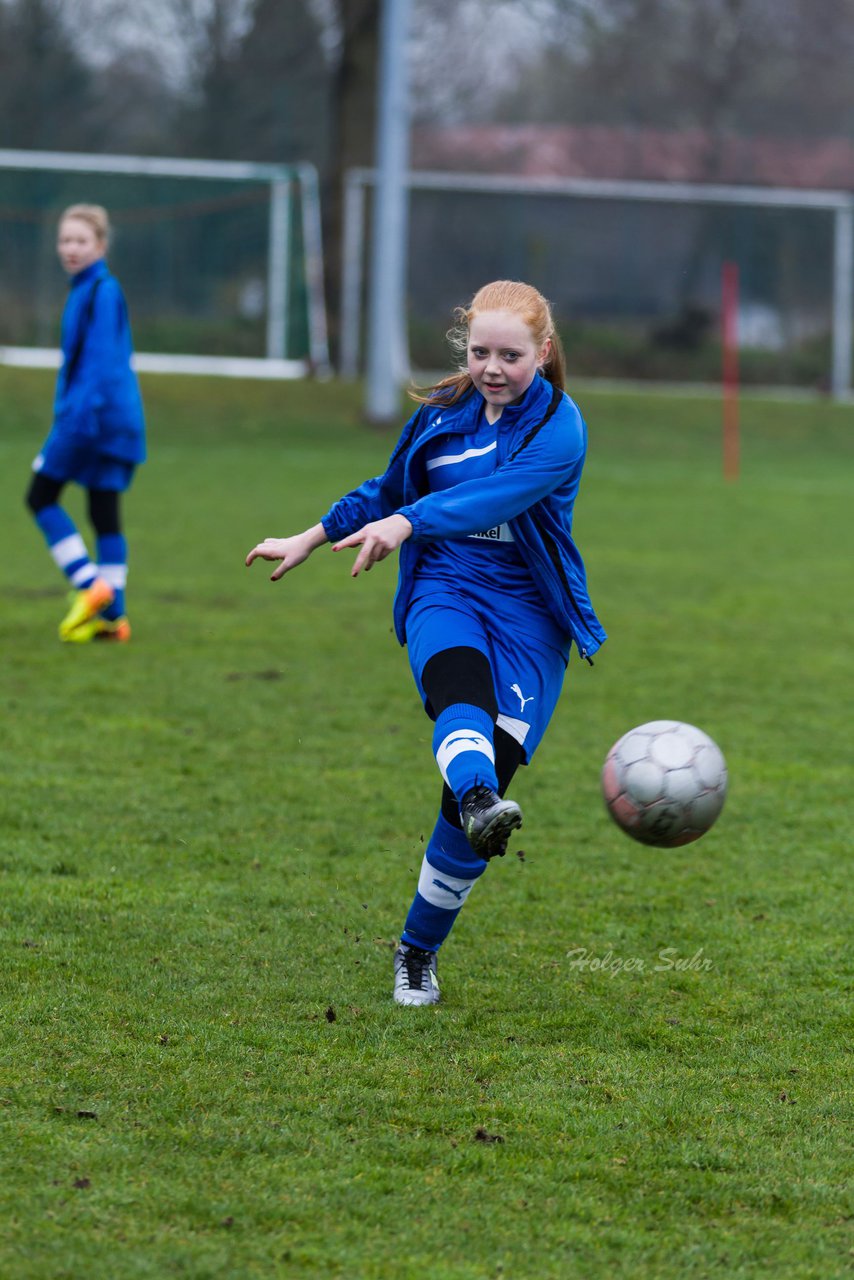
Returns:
<point x="729" y="343"/>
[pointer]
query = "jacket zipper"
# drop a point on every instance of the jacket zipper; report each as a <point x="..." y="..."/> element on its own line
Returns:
<point x="549" y="544"/>
<point x="548" y="541"/>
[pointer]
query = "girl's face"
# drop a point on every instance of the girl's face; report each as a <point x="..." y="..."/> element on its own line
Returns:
<point x="78" y="245"/>
<point x="502" y="358"/>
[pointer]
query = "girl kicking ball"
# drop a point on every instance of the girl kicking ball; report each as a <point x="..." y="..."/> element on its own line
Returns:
<point x="478" y="497"/>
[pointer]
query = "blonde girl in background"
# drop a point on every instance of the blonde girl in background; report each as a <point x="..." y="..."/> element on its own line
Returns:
<point x="98" y="434"/>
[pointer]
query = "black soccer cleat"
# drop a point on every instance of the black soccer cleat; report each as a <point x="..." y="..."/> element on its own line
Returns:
<point x="488" y="821"/>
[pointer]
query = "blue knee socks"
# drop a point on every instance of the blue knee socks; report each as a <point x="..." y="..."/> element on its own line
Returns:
<point x="66" y="546"/>
<point x="113" y="568"/>
<point x="448" y="872"/>
<point x="464" y="749"/>
<point x="69" y="553"/>
<point x="465" y="753"/>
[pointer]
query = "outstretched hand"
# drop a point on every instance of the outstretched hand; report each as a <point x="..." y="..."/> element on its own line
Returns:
<point x="377" y="540"/>
<point x="290" y="551"/>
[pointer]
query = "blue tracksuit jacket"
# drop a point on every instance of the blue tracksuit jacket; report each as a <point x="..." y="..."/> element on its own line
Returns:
<point x="97" y="398"/>
<point x="542" y="442"/>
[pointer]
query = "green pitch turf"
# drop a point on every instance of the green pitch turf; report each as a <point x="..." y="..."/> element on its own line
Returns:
<point x="208" y="841"/>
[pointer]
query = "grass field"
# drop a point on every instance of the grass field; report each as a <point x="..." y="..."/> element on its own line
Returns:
<point x="210" y="838"/>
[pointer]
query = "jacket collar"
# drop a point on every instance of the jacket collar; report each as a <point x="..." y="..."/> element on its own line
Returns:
<point x="535" y="399"/>
<point x="461" y="416"/>
<point x="91" y="272"/>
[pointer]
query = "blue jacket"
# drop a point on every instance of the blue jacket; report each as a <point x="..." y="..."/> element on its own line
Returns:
<point x="97" y="395"/>
<point x="542" y="442"/>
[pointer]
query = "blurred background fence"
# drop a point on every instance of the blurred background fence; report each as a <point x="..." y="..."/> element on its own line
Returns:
<point x="748" y="93"/>
<point x="219" y="264"/>
<point x="633" y="271"/>
<point x="218" y="259"/>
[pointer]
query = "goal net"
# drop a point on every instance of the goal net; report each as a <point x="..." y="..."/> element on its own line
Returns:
<point x="220" y="261"/>
<point x="633" y="271"/>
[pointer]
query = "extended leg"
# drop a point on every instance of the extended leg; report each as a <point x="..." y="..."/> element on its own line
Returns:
<point x="458" y="684"/>
<point x="451" y="866"/>
<point x="449" y="871"/>
<point x="461" y="694"/>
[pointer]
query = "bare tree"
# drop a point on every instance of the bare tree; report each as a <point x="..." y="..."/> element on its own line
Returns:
<point x="778" y="66"/>
<point x="353" y="58"/>
<point x="45" y="85"/>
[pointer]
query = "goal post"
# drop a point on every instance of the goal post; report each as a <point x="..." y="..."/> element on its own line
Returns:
<point x="289" y="187"/>
<point x="729" y="369"/>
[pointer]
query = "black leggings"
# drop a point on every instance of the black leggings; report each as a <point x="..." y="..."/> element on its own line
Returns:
<point x="104" y="514"/>
<point x="463" y="674"/>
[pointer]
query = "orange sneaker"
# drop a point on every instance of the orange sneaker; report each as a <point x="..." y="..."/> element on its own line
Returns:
<point x="117" y="630"/>
<point x="85" y="605"/>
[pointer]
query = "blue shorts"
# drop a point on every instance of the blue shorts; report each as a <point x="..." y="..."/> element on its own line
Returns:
<point x="65" y="458"/>
<point x="527" y="671"/>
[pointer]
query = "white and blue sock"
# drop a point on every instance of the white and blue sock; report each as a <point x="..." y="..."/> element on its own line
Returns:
<point x="113" y="568"/>
<point x="66" y="546"/>
<point x="448" y="872"/>
<point x="464" y="749"/>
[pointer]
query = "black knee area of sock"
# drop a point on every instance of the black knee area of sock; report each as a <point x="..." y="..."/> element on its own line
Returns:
<point x="449" y="807"/>
<point x="508" y="757"/>
<point x="104" y="511"/>
<point x="461" y="674"/>
<point x="42" y="492"/>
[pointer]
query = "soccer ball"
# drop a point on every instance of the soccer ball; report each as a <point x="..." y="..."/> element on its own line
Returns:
<point x="664" y="783"/>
